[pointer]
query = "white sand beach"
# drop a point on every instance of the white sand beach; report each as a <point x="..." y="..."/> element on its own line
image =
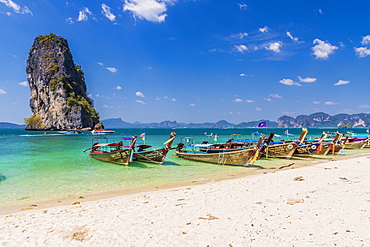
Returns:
<point x="327" y="204"/>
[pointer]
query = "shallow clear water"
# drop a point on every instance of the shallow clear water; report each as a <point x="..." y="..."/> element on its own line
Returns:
<point x="38" y="166"/>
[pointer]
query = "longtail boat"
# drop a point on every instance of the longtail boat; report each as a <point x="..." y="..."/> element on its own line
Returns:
<point x="156" y="156"/>
<point x="223" y="147"/>
<point x="332" y="147"/>
<point x="113" y="152"/>
<point x="305" y="150"/>
<point x="284" y="150"/>
<point x="355" y="143"/>
<point x="242" y="157"/>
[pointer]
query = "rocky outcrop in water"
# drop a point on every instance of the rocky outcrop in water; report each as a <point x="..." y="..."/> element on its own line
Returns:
<point x="59" y="99"/>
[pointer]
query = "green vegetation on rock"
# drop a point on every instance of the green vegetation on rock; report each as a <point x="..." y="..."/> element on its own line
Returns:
<point x="33" y="122"/>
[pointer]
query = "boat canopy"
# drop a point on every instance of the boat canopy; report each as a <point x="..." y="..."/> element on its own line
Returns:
<point x="126" y="138"/>
<point x="245" y="140"/>
<point x="107" y="145"/>
<point x="256" y="133"/>
<point x="203" y="145"/>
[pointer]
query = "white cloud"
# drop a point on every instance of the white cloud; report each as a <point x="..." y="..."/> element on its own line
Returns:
<point x="112" y="69"/>
<point x="26" y="10"/>
<point x="364" y="106"/>
<point x="307" y="79"/>
<point x="276" y="96"/>
<point x="107" y="106"/>
<point x="275" y="47"/>
<point x="140" y="101"/>
<point x="192" y="104"/>
<point x="295" y="39"/>
<point x="69" y="20"/>
<point x="2" y="91"/>
<point x="323" y="49"/>
<point x="362" y="51"/>
<point x="242" y="35"/>
<point x="330" y="103"/>
<point x="151" y="10"/>
<point x="139" y="94"/>
<point x="16" y="8"/>
<point x="258" y="109"/>
<point x="83" y="14"/>
<point x="263" y="29"/>
<point x="249" y="101"/>
<point x="118" y="87"/>
<point x="316" y="102"/>
<point x="243" y="6"/>
<point x="242" y="74"/>
<point x="365" y="40"/>
<point x="23" y="83"/>
<point x="341" y="82"/>
<point x="289" y="82"/>
<point x="237" y="100"/>
<point x="241" y="48"/>
<point x="107" y="13"/>
<point x="268" y="99"/>
<point x="11" y="4"/>
<point x="174" y="100"/>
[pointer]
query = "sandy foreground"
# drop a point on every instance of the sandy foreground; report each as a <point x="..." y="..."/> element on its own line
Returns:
<point x="327" y="204"/>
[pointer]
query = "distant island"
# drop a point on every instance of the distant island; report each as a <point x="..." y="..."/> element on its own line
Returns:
<point x="315" y="120"/>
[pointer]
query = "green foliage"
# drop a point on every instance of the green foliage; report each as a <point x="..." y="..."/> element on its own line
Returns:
<point x="54" y="68"/>
<point x="78" y="68"/>
<point x="53" y="83"/>
<point x="71" y="100"/>
<point x="46" y="39"/>
<point x="34" y="122"/>
<point x="84" y="103"/>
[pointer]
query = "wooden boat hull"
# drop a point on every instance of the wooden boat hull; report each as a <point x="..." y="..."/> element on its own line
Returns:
<point x="323" y="149"/>
<point x="305" y="151"/>
<point x="355" y="145"/>
<point x="121" y="157"/>
<point x="238" y="158"/>
<point x="156" y="156"/>
<point x="281" y="150"/>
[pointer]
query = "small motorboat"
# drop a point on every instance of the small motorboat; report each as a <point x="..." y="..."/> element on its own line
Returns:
<point x="70" y="132"/>
<point x="101" y="132"/>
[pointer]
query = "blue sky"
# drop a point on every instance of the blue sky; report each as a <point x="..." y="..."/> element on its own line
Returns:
<point x="197" y="60"/>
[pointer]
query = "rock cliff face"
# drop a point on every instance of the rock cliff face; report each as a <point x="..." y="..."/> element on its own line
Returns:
<point x="58" y="91"/>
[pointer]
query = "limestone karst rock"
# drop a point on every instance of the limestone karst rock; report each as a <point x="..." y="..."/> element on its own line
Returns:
<point x="59" y="99"/>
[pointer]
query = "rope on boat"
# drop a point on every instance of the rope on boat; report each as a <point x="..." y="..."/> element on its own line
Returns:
<point x="143" y="156"/>
<point x="221" y="158"/>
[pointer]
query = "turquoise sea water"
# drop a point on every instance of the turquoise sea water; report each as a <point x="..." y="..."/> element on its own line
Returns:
<point x="38" y="166"/>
